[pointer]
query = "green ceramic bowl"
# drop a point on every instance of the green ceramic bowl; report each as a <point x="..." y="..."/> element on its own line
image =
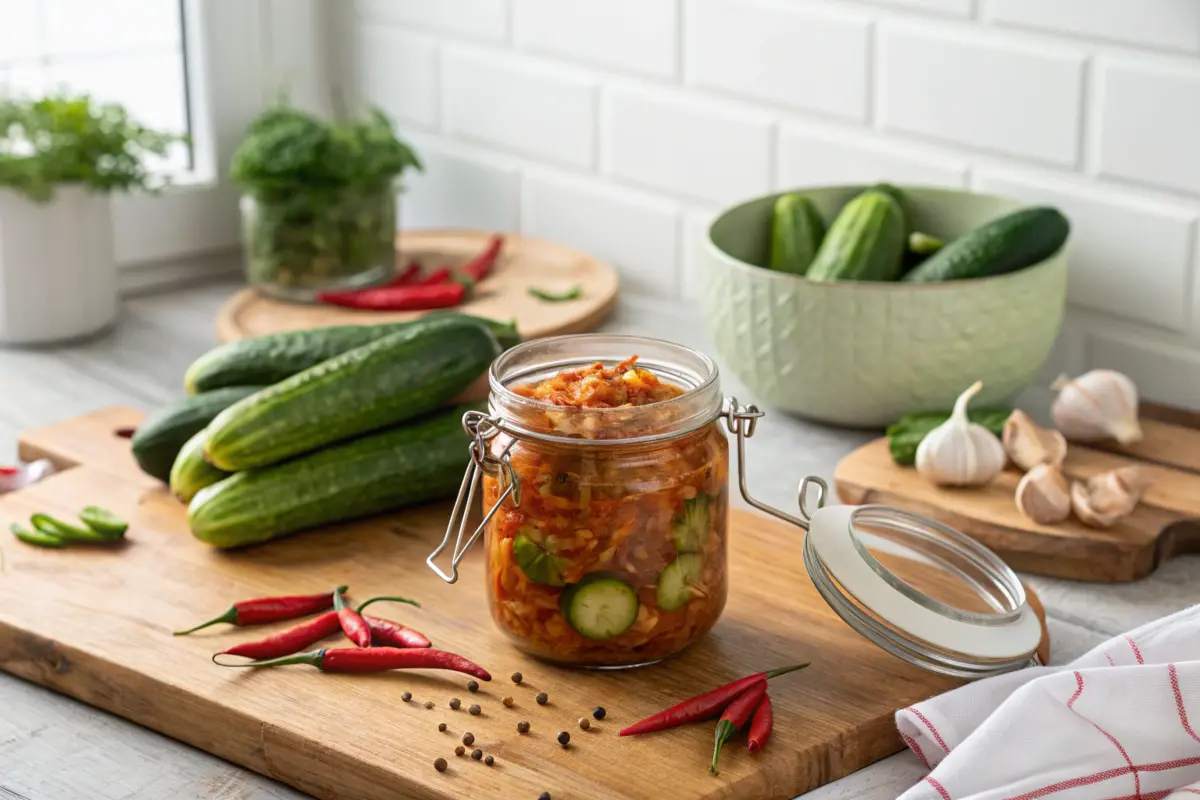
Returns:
<point x="862" y="353"/>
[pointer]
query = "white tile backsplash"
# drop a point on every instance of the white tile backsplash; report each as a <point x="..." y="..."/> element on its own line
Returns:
<point x="622" y="127"/>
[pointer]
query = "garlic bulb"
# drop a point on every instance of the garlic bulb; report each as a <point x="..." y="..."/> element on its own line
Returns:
<point x="1100" y="404"/>
<point x="959" y="452"/>
<point x="1044" y="495"/>
<point x="1103" y="499"/>
<point x="1028" y="444"/>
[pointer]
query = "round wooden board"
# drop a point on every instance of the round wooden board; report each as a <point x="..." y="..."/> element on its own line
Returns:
<point x="524" y="262"/>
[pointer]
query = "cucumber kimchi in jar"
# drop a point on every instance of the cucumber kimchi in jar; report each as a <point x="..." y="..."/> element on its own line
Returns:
<point x="613" y="552"/>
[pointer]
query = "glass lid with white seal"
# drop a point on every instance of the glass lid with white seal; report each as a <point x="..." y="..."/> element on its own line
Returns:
<point x="919" y="589"/>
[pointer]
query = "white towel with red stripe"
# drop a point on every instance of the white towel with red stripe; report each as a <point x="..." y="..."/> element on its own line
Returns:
<point x="1119" y="723"/>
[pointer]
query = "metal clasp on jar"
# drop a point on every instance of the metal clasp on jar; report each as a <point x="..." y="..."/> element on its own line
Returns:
<point x="482" y="429"/>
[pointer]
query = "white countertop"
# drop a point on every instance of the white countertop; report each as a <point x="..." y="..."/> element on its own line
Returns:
<point x="53" y="748"/>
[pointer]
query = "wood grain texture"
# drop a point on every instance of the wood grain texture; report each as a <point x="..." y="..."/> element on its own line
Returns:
<point x="1164" y="525"/>
<point x="523" y="263"/>
<point x="95" y="623"/>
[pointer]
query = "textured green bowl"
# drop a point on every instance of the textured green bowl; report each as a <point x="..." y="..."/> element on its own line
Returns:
<point x="862" y="353"/>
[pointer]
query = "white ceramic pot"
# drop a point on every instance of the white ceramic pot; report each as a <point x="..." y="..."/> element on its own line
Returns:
<point x="58" y="275"/>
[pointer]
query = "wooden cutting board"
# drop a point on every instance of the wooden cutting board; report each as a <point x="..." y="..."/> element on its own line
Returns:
<point x="524" y="262"/>
<point x="95" y="624"/>
<point x="1165" y="524"/>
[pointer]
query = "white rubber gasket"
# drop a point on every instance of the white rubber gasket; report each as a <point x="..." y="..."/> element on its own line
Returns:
<point x="829" y="532"/>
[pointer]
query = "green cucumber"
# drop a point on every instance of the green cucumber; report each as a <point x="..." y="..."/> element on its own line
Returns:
<point x="414" y="463"/>
<point x="676" y="580"/>
<point x="796" y="233"/>
<point x="159" y="438"/>
<point x="268" y="359"/>
<point x="865" y="243"/>
<point x="401" y="376"/>
<point x="537" y="562"/>
<point x="690" y="529"/>
<point x="1012" y="242"/>
<point x="191" y="472"/>
<point x="600" y="606"/>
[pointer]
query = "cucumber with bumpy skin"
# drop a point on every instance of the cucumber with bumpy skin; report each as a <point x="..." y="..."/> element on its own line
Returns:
<point x="190" y="473"/>
<point x="600" y="606"/>
<point x="865" y="242"/>
<point x="159" y="438"/>
<point x="796" y="233"/>
<point x="1012" y="242"/>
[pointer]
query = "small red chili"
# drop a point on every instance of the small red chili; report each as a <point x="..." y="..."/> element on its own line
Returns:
<point x="270" y="609"/>
<point x="407" y="276"/>
<point x="355" y="628"/>
<point x="293" y="640"/>
<point x="374" y="659"/>
<point x="399" y="298"/>
<point x="735" y="718"/>
<point x="482" y="265"/>
<point x="760" y="726"/>
<point x="392" y="634"/>
<point x="439" y="275"/>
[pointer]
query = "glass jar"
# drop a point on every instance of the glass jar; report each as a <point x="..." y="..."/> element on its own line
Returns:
<point x="300" y="244"/>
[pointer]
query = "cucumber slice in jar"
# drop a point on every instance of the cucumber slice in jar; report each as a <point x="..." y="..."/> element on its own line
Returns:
<point x="691" y="527"/>
<point x="538" y="565"/>
<point x="676" y="580"/>
<point x="600" y="606"/>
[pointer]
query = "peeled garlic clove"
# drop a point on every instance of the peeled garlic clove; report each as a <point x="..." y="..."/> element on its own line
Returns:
<point x="1028" y="444"/>
<point x="1043" y="495"/>
<point x="1101" y="404"/>
<point x="959" y="452"/>
<point x="1103" y="499"/>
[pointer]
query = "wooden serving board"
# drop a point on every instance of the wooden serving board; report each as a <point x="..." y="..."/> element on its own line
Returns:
<point x="524" y="262"/>
<point x="95" y="624"/>
<point x="1166" y="523"/>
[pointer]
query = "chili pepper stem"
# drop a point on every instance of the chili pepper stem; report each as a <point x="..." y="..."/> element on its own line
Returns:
<point x="725" y="730"/>
<point x="775" y="673"/>
<point x="366" y="603"/>
<point x="311" y="659"/>
<point x="229" y="616"/>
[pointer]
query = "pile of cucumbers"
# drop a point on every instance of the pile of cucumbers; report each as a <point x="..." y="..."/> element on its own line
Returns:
<point x="293" y="430"/>
<point x="872" y="239"/>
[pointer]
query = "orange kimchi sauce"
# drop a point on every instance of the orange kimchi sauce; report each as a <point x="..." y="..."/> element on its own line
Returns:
<point x="615" y="555"/>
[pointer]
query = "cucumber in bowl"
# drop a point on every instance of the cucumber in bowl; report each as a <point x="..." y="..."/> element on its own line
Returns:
<point x="600" y="606"/>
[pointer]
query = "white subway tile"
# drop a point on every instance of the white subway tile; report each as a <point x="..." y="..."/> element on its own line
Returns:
<point x="397" y="72"/>
<point x="1128" y="257"/>
<point x="690" y="146"/>
<point x="545" y="113"/>
<point x="979" y="91"/>
<point x="18" y="39"/>
<point x="811" y="157"/>
<point x="636" y="234"/>
<point x="1149" y="117"/>
<point x="632" y="35"/>
<point x="1172" y="24"/>
<point x="960" y="8"/>
<point x="696" y="223"/>
<point x="480" y="19"/>
<point x="460" y="191"/>
<point x="808" y="58"/>
<point x="1164" y="373"/>
<point x="80" y="27"/>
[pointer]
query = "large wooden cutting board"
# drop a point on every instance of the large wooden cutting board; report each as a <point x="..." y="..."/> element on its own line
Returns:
<point x="95" y="624"/>
<point x="1165" y="524"/>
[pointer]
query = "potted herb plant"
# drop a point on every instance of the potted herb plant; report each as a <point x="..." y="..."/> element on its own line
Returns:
<point x="319" y="200"/>
<point x="61" y="157"/>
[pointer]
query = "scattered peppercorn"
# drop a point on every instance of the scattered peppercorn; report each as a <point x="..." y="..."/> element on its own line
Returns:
<point x="406" y="696"/>
<point x="474" y="710"/>
<point x="584" y="723"/>
<point x="508" y="702"/>
<point x="472" y="686"/>
<point x="458" y="751"/>
<point x="489" y="761"/>
<point x="441" y="727"/>
<point x="440" y="765"/>
<point x="468" y="738"/>
<point x="517" y="678"/>
<point x="429" y="704"/>
<point x="476" y="754"/>
<point x="544" y="796"/>
<point x="543" y="698"/>
<point x="564" y="738"/>
<point x="522" y="727"/>
<point x="598" y="712"/>
<point x="455" y="703"/>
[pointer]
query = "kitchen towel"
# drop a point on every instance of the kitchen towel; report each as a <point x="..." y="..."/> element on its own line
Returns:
<point x="1120" y="722"/>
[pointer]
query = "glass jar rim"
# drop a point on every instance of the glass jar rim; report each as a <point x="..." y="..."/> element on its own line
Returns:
<point x="699" y="405"/>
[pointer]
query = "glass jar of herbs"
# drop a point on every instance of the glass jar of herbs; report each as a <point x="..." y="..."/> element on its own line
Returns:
<point x="319" y="201"/>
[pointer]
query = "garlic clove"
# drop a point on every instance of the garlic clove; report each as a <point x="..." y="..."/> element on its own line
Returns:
<point x="1028" y="444"/>
<point x="959" y="452"/>
<point x="1105" y="498"/>
<point x="1101" y="404"/>
<point x="1043" y="495"/>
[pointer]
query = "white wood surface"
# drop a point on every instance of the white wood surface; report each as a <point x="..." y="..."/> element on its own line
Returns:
<point x="54" y="748"/>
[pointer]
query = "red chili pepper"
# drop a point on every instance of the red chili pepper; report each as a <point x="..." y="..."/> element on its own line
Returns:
<point x="374" y="659"/>
<point x="703" y="706"/>
<point x="355" y="628"/>
<point x="735" y="718"/>
<point x="760" y="726"/>
<point x="392" y="634"/>
<point x="293" y="640"/>
<point x="399" y="298"/>
<point x="9" y="470"/>
<point x="439" y="275"/>
<point x="407" y="276"/>
<point x="482" y="265"/>
<point x="270" y="609"/>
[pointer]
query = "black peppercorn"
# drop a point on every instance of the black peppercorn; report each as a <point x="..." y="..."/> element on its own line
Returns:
<point x="476" y="754"/>
<point x="564" y="738"/>
<point x="458" y="751"/>
<point x="441" y="727"/>
<point x="543" y="698"/>
<point x="440" y="765"/>
<point x="429" y="704"/>
<point x="406" y="696"/>
<point x="522" y="727"/>
<point x="468" y="738"/>
<point x="455" y="703"/>
<point x="474" y="710"/>
<point x="598" y="712"/>
<point x="489" y="761"/>
<point x="544" y="796"/>
<point x="517" y="678"/>
<point x="472" y="686"/>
